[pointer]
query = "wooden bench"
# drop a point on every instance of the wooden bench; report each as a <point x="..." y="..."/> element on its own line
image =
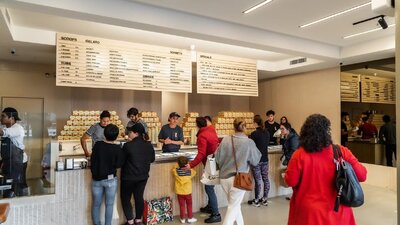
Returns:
<point x="4" y="209"/>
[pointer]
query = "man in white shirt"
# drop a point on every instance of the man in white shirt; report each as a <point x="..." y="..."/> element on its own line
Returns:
<point x="12" y="151"/>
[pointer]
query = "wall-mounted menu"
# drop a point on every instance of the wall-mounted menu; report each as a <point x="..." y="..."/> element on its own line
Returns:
<point x="225" y="75"/>
<point x="378" y="90"/>
<point x="349" y="87"/>
<point x="101" y="63"/>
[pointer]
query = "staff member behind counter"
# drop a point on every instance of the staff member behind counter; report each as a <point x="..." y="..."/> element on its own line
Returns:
<point x="171" y="135"/>
<point x="96" y="131"/>
<point x="134" y="118"/>
<point x="12" y="151"/>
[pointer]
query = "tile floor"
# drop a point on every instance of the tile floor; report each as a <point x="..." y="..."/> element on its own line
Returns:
<point x="379" y="209"/>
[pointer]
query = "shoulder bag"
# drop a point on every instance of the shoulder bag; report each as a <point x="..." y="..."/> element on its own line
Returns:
<point x="349" y="191"/>
<point x="242" y="180"/>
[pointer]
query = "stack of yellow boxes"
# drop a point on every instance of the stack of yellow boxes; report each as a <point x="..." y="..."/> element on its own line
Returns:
<point x="81" y="120"/>
<point x="154" y="125"/>
<point x="223" y="123"/>
<point x="189" y="127"/>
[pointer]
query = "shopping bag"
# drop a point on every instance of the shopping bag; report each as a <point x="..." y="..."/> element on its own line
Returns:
<point x="158" y="211"/>
<point x="209" y="179"/>
<point x="211" y="166"/>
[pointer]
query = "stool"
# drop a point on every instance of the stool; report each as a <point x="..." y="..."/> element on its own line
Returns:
<point x="4" y="209"/>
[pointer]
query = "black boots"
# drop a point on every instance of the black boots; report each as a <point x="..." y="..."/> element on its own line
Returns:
<point x="214" y="218"/>
<point x="206" y="209"/>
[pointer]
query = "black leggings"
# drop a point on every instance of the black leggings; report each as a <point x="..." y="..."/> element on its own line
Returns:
<point x="137" y="189"/>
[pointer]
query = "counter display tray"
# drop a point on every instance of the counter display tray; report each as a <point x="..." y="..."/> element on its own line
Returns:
<point x="162" y="157"/>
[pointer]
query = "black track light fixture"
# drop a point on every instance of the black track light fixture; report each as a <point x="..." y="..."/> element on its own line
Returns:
<point x="382" y="22"/>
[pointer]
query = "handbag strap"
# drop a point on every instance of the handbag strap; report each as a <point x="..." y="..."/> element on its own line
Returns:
<point x="337" y="153"/>
<point x="234" y="154"/>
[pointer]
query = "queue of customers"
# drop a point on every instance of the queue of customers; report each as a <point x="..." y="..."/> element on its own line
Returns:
<point x="251" y="153"/>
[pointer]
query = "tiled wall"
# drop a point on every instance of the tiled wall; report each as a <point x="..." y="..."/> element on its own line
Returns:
<point x="69" y="206"/>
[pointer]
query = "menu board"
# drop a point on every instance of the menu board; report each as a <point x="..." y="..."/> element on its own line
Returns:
<point x="378" y="90"/>
<point x="225" y="75"/>
<point x="101" y="63"/>
<point x="349" y="87"/>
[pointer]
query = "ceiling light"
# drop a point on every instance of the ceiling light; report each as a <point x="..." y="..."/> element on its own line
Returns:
<point x="335" y="15"/>
<point x="366" y="32"/>
<point x="257" y="6"/>
<point x="383" y="23"/>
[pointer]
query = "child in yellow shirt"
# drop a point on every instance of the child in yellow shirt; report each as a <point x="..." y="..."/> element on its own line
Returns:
<point x="183" y="188"/>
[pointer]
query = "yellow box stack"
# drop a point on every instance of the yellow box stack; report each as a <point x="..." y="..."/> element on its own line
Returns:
<point x="153" y="123"/>
<point x="224" y="122"/>
<point x="189" y="127"/>
<point x="80" y="121"/>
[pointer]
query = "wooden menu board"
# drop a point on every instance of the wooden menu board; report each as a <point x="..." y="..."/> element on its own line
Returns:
<point x="225" y="75"/>
<point x="101" y="63"/>
<point x="378" y="90"/>
<point x="349" y="87"/>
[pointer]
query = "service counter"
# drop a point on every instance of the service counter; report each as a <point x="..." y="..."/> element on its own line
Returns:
<point x="72" y="199"/>
<point x="367" y="151"/>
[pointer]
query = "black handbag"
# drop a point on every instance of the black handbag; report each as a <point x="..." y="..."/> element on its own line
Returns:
<point x="349" y="191"/>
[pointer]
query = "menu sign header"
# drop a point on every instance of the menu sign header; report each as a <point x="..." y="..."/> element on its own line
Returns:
<point x="225" y="75"/>
<point x="101" y="63"/>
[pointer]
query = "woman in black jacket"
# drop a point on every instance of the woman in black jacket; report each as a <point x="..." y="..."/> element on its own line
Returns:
<point x="139" y="154"/>
<point x="290" y="141"/>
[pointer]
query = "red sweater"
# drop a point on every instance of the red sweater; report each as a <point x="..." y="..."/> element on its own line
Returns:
<point x="207" y="143"/>
<point x="311" y="175"/>
<point x="368" y="131"/>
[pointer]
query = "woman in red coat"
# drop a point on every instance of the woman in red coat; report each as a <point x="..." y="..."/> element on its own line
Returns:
<point x="311" y="174"/>
<point x="207" y="143"/>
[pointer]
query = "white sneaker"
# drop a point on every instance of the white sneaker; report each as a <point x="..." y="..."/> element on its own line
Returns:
<point x="192" y="220"/>
<point x="183" y="220"/>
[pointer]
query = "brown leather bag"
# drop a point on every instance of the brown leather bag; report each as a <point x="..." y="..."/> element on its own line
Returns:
<point x="242" y="180"/>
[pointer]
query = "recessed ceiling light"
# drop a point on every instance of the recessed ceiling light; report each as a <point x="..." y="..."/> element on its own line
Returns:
<point x="257" y="6"/>
<point x="335" y="15"/>
<point x="366" y="32"/>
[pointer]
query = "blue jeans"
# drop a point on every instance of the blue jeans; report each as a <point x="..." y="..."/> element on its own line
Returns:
<point x="107" y="187"/>
<point x="212" y="198"/>
<point x="260" y="173"/>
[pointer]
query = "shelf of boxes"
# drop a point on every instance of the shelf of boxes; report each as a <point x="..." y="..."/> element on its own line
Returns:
<point x="189" y="127"/>
<point x="81" y="120"/>
<point x="154" y="125"/>
<point x="223" y="123"/>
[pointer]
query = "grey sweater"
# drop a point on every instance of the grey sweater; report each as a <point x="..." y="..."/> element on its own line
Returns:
<point x="246" y="154"/>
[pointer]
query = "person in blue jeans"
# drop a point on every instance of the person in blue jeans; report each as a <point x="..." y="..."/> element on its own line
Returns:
<point x="105" y="159"/>
<point x="260" y="172"/>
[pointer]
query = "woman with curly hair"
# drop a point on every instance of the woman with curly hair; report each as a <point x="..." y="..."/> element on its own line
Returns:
<point x="311" y="174"/>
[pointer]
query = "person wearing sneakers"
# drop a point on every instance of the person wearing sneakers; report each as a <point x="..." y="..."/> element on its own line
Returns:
<point x="105" y="159"/>
<point x="260" y="172"/>
<point x="207" y="143"/>
<point x="183" y="189"/>
<point x="138" y="155"/>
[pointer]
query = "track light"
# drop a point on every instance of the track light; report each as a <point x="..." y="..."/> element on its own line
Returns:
<point x="383" y="23"/>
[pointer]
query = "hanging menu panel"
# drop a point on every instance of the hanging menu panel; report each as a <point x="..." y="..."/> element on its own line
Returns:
<point x="349" y="87"/>
<point x="225" y="75"/>
<point x="100" y="63"/>
<point x="377" y="90"/>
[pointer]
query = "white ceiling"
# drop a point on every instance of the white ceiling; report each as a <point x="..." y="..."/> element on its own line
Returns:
<point x="285" y="16"/>
<point x="270" y="35"/>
